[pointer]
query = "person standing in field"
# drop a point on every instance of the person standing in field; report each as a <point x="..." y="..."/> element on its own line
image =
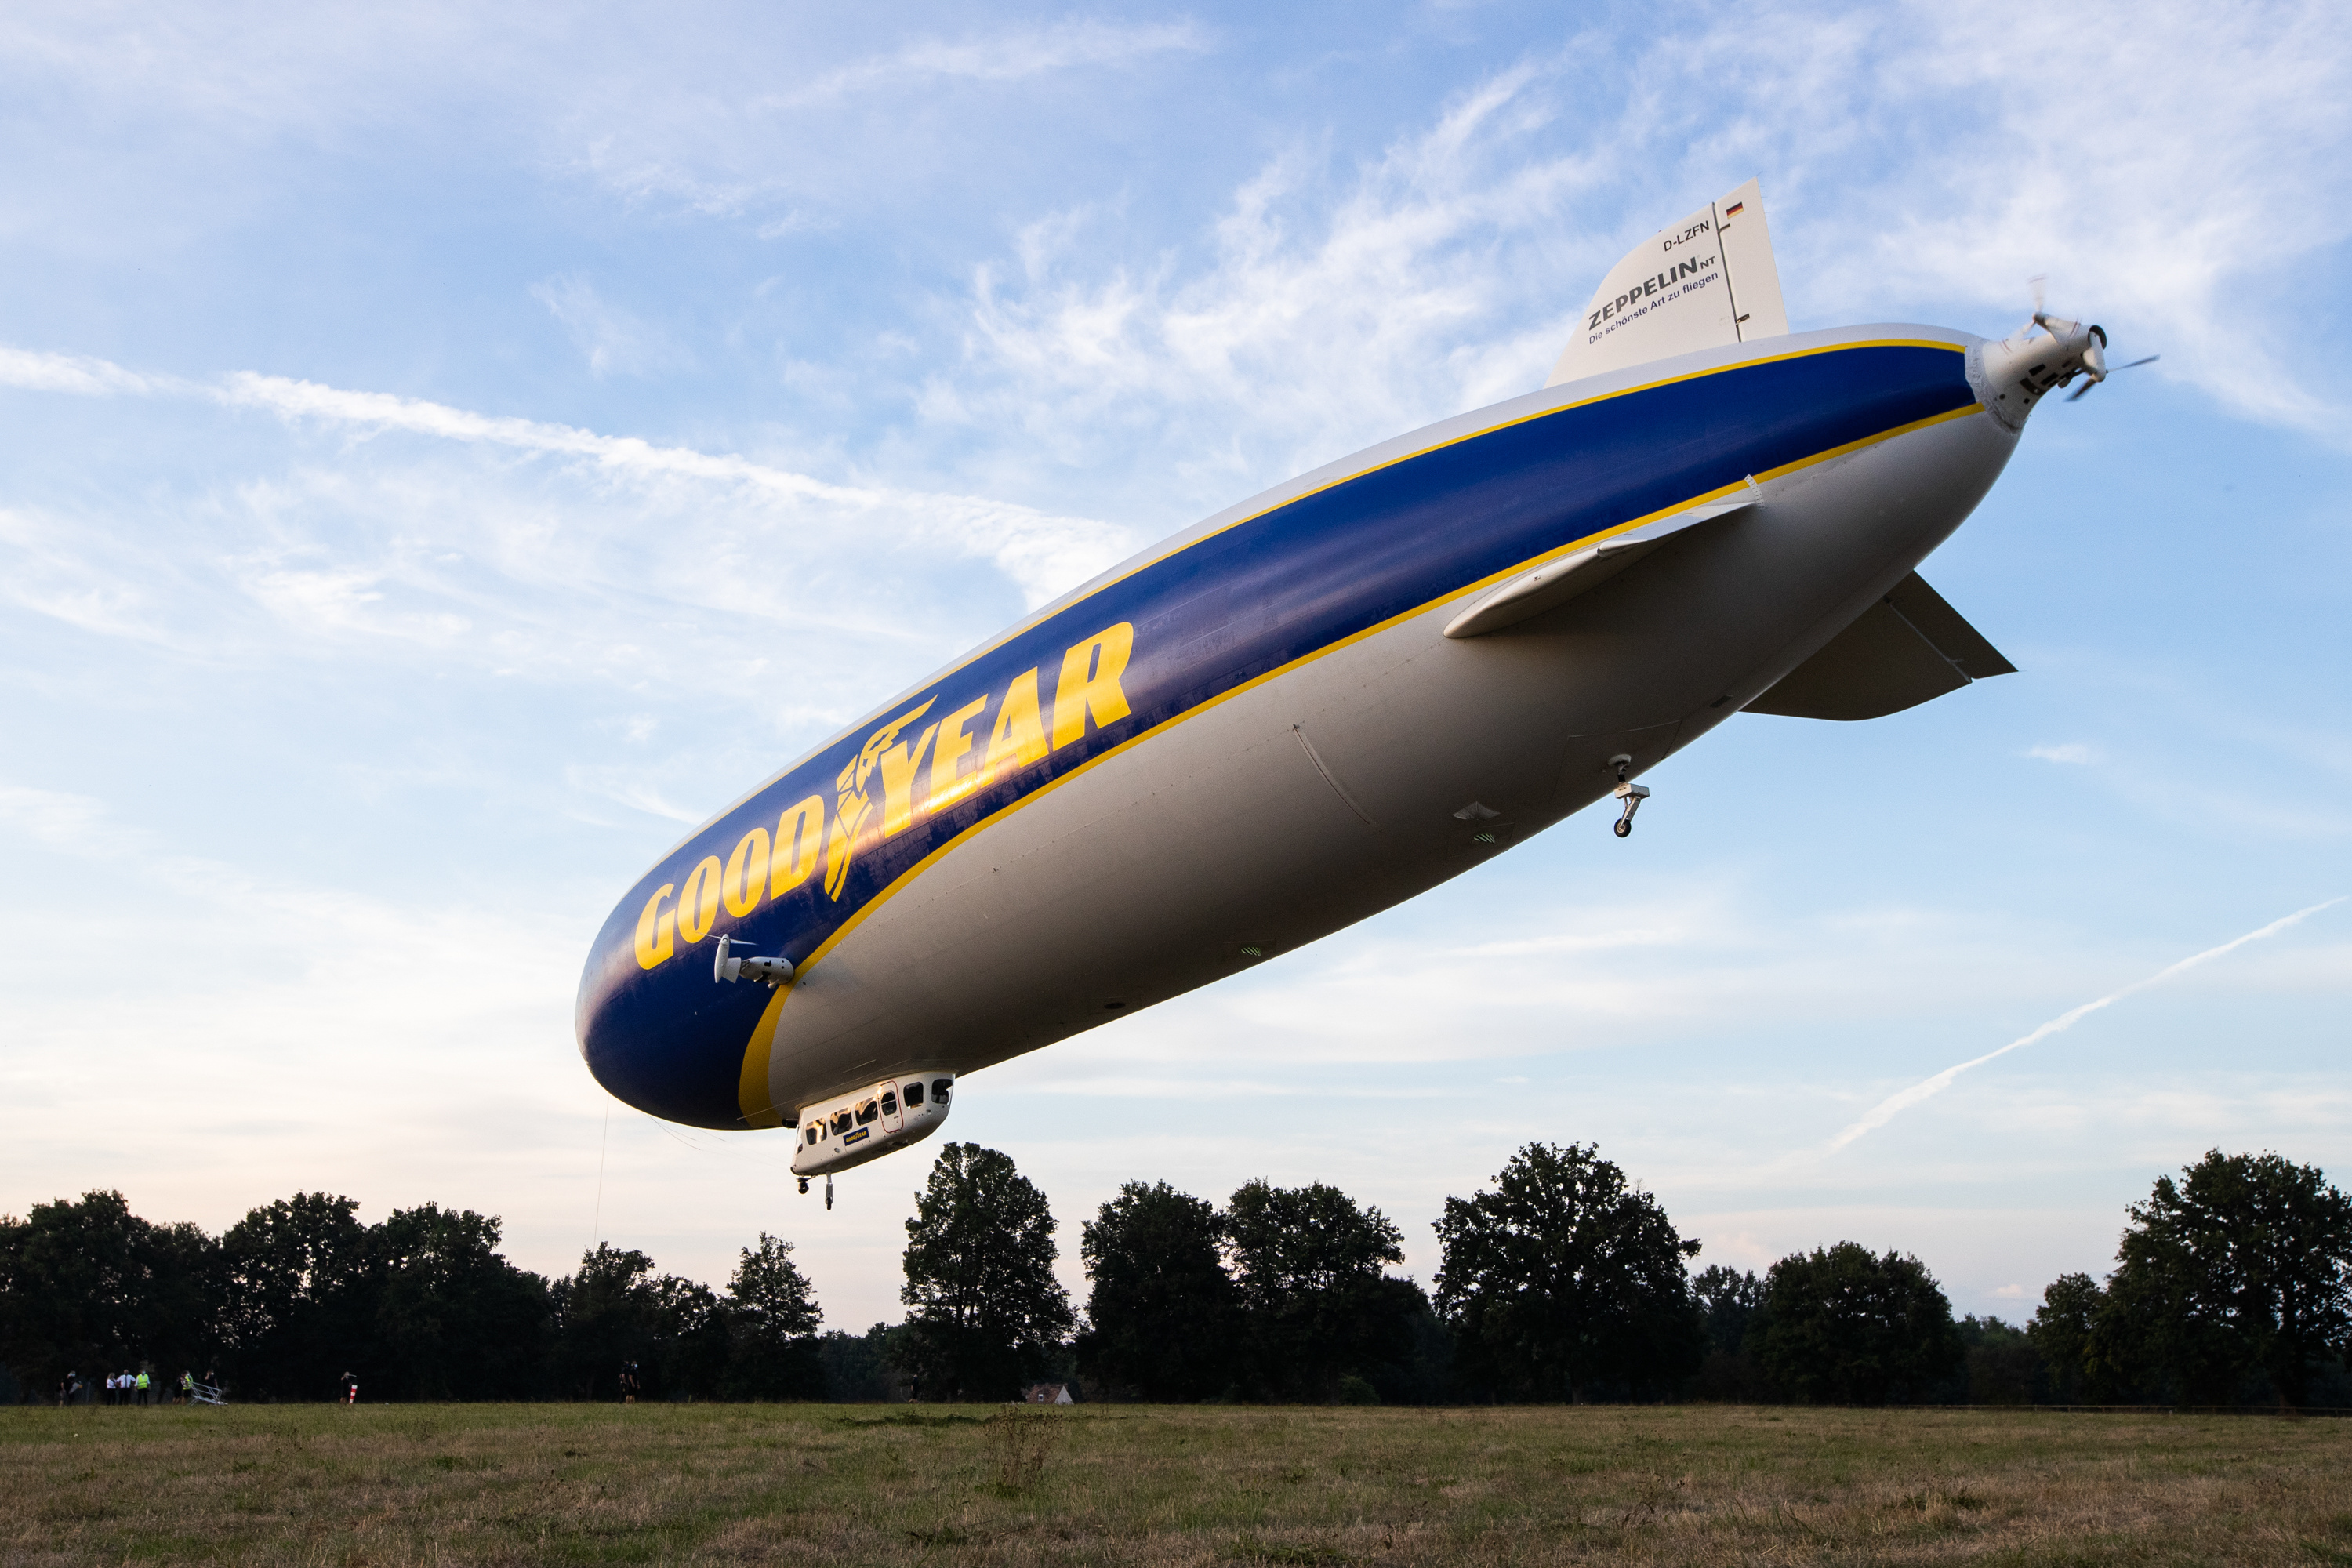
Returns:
<point x="142" y="1390"/>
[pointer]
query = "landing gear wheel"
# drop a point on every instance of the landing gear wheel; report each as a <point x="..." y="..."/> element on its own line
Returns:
<point x="1633" y="794"/>
<point x="804" y="1187"/>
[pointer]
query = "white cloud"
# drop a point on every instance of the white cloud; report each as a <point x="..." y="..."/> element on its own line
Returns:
<point x="53" y="570"/>
<point x="1671" y="959"/>
<point x="633" y="790"/>
<point x="30" y="370"/>
<point x="1012" y="56"/>
<point x="2073" y="754"/>
<point x="1914" y="163"/>
<point x="1044" y="554"/>
<point x="829" y="530"/>
<point x="1325" y="319"/>
<point x="1893" y="1105"/>
<point x="611" y="339"/>
<point x="2178" y="183"/>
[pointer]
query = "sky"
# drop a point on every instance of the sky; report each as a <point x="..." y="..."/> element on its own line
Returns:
<point x="445" y="454"/>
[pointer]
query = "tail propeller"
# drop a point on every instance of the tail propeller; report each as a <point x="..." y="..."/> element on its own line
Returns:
<point x="2094" y="366"/>
<point x="2104" y="372"/>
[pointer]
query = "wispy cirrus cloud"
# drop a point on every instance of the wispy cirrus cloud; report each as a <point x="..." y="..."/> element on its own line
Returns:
<point x="610" y="338"/>
<point x="1044" y="552"/>
<point x="1912" y="171"/>
<point x="1009" y="56"/>
<point x="34" y="370"/>
<point x="1331" y="315"/>
<point x="1893" y="1105"/>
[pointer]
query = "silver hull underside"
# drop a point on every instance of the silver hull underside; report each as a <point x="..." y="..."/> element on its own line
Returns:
<point x="1300" y="805"/>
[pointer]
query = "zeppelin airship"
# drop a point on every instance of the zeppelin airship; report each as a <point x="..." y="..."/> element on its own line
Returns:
<point x="1326" y="700"/>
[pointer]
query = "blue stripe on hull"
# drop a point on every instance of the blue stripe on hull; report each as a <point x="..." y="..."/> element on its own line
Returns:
<point x="1232" y="607"/>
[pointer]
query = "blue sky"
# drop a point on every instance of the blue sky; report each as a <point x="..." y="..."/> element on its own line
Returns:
<point x="442" y="457"/>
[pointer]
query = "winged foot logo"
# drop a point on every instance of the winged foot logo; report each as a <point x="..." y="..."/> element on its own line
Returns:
<point x="852" y="808"/>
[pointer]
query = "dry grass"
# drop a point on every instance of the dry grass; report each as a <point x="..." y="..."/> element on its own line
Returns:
<point x="872" y="1484"/>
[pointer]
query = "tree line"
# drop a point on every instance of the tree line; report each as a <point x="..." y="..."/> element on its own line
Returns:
<point x="1560" y="1280"/>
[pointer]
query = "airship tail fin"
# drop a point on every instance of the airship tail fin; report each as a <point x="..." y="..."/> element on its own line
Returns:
<point x="1705" y="283"/>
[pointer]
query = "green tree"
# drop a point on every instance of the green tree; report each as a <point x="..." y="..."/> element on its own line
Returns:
<point x="298" y="1302"/>
<point x="1160" y="1315"/>
<point x="1315" y="1303"/>
<point x="2004" y="1367"/>
<point x="454" y="1319"/>
<point x="771" y="1319"/>
<point x="1731" y="1307"/>
<point x="1566" y="1278"/>
<point x="1844" y="1326"/>
<point x="692" y="1342"/>
<point x="2065" y="1330"/>
<point x="87" y="1286"/>
<point x="860" y="1368"/>
<point x="608" y="1318"/>
<point x="2243" y="1266"/>
<point x="980" y="1277"/>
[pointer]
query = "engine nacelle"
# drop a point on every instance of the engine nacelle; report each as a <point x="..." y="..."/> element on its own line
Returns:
<point x="841" y="1133"/>
<point x="2011" y="377"/>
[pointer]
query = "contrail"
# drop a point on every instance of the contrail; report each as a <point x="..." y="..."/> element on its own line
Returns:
<point x="1886" y="1110"/>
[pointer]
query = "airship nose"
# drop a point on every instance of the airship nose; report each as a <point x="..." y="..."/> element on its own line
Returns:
<point x="664" y="1038"/>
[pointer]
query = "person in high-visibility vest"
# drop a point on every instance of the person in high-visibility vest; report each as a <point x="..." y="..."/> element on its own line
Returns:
<point x="187" y="1388"/>
<point x="143" y="1391"/>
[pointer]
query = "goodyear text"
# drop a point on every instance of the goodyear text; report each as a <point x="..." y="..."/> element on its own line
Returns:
<point x="921" y="763"/>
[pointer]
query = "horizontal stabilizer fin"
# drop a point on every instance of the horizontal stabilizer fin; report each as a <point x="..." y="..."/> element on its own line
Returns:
<point x="1905" y="649"/>
<point x="1555" y="583"/>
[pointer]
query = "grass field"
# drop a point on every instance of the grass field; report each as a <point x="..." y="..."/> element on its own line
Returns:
<point x="883" y="1484"/>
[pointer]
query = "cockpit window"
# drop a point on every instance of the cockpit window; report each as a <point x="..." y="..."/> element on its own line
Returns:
<point x="815" y="1129"/>
<point x="840" y="1122"/>
<point x="940" y="1086"/>
<point x="915" y="1093"/>
<point x="866" y="1112"/>
<point x="890" y="1102"/>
